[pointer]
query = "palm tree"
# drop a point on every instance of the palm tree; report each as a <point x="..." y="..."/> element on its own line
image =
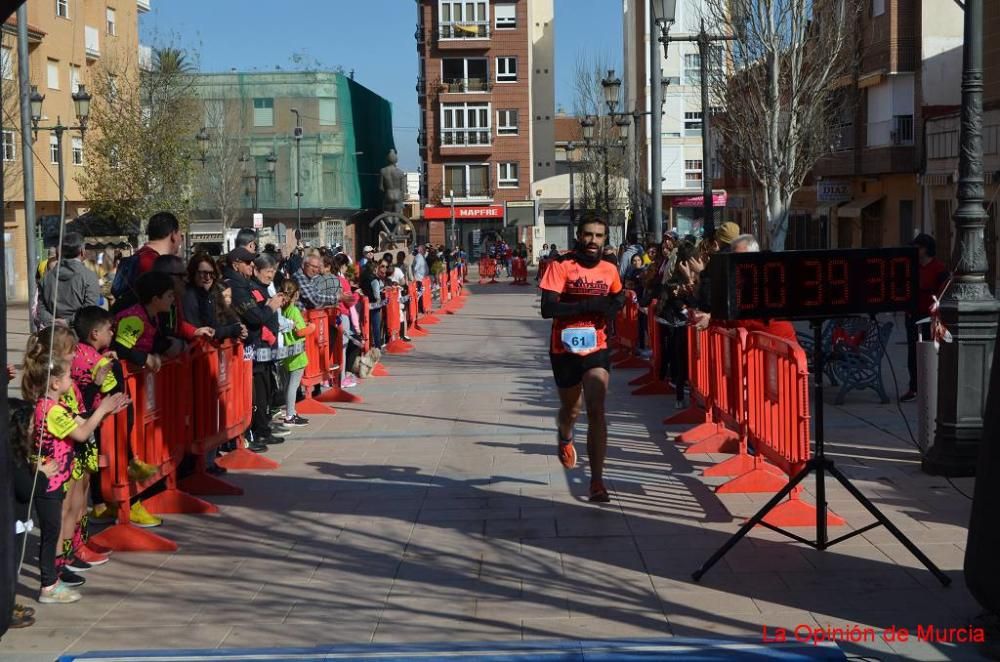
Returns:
<point x="170" y="60"/>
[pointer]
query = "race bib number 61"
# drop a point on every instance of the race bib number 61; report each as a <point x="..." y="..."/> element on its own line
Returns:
<point x="579" y="340"/>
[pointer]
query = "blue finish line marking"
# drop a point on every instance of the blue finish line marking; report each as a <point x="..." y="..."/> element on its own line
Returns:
<point x="707" y="650"/>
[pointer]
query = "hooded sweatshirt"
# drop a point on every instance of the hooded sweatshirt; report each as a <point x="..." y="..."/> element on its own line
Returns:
<point x="78" y="287"/>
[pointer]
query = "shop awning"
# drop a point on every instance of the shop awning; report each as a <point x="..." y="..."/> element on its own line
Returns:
<point x="854" y="208"/>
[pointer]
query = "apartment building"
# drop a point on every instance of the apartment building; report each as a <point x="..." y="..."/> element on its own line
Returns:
<point x="868" y="192"/>
<point x="345" y="134"/>
<point x="486" y="91"/>
<point x="67" y="39"/>
<point x="680" y="141"/>
<point x="940" y="176"/>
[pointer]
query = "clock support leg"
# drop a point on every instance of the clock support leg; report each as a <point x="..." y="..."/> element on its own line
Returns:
<point x="821" y="465"/>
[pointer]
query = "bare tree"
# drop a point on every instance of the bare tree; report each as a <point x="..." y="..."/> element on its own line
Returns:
<point x="139" y="141"/>
<point x="10" y="122"/>
<point x="778" y="90"/>
<point x="227" y="161"/>
<point x="608" y="165"/>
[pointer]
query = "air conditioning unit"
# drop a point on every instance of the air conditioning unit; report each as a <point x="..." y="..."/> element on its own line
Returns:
<point x="297" y="133"/>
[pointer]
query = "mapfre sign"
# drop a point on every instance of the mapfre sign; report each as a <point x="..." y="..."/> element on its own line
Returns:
<point x="464" y="213"/>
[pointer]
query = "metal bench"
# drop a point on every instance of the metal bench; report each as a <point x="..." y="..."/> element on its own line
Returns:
<point x="848" y="366"/>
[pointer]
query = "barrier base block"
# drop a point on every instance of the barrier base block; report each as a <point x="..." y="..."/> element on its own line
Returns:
<point x="620" y="355"/>
<point x="203" y="484"/>
<point x="245" y="459"/>
<point x="417" y="332"/>
<point x="131" y="538"/>
<point x="379" y="371"/>
<point x="761" y="478"/>
<point x="398" y="347"/>
<point x="632" y="363"/>
<point x="725" y="441"/>
<point x="428" y="320"/>
<point x="699" y="432"/>
<point x="337" y="394"/>
<point x="796" y="512"/>
<point x="648" y="378"/>
<point x="311" y="406"/>
<point x="654" y="388"/>
<point x="689" y="416"/>
<point x="176" y="502"/>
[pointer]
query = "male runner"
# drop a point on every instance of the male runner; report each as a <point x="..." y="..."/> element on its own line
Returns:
<point x="580" y="292"/>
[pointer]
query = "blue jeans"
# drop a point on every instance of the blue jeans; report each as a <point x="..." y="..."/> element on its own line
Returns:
<point x="376" y="339"/>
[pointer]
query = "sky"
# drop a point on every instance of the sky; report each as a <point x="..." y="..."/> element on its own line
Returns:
<point x="374" y="38"/>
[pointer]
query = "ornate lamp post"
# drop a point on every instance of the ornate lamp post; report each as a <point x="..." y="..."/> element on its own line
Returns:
<point x="203" y="138"/>
<point x="968" y="309"/>
<point x="81" y="105"/>
<point x="246" y="159"/>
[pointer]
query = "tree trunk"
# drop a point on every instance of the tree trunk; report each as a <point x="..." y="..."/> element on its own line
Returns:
<point x="778" y="204"/>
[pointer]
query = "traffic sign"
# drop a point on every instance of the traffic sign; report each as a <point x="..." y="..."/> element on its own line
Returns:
<point x="258" y="220"/>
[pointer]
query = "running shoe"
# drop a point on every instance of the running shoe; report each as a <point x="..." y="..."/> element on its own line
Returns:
<point x="58" y="594"/>
<point x="95" y="546"/>
<point x="24" y="611"/>
<point x="349" y="381"/>
<point x="598" y="493"/>
<point x="278" y="430"/>
<point x="294" y="422"/>
<point x="102" y="515"/>
<point x="142" y="517"/>
<point x="70" y="578"/>
<point x="76" y="564"/>
<point x="140" y="471"/>
<point x="88" y="555"/>
<point x="909" y="396"/>
<point x="19" y="619"/>
<point x="567" y="454"/>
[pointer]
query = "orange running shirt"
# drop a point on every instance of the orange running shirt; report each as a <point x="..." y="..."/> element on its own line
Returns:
<point x="573" y="281"/>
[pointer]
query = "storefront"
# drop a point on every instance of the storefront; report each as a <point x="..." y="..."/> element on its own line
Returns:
<point x="687" y="211"/>
<point x="472" y="224"/>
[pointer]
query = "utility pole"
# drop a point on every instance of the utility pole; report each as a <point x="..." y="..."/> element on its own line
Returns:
<point x="28" y="163"/>
<point x="298" y="175"/>
<point x="655" y="129"/>
<point x="451" y="194"/>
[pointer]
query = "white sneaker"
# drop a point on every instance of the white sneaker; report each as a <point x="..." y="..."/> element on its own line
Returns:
<point x="58" y="594"/>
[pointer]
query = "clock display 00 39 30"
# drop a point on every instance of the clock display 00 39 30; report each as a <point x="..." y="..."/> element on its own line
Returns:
<point x="813" y="284"/>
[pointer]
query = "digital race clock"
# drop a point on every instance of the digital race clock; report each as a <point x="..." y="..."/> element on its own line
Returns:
<point x="813" y="284"/>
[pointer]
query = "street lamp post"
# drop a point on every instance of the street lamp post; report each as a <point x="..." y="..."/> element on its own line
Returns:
<point x="968" y="309"/>
<point x="271" y="161"/>
<point x="570" y="149"/>
<point x="451" y="194"/>
<point x="203" y="138"/>
<point x="81" y="105"/>
<point x="298" y="174"/>
<point x="665" y="11"/>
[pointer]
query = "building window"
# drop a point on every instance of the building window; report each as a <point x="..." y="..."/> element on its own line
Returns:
<point x="263" y="112"/>
<point x="77" y="151"/>
<point x="111" y="22"/>
<point x="878" y="7"/>
<point x="53" y="74"/>
<point x="506" y="122"/>
<point x="692" y="174"/>
<point x="467" y="181"/>
<point x="53" y="149"/>
<point x="506" y="69"/>
<point x="692" y="123"/>
<point x="265" y="186"/>
<point x="7" y="62"/>
<point x="74" y="78"/>
<point x="464" y="19"/>
<point x="506" y="15"/>
<point x="465" y="124"/>
<point x="507" y="175"/>
<point x="465" y="74"/>
<point x="692" y="69"/>
<point x="331" y="178"/>
<point x="8" y="147"/>
<point x="62" y="8"/>
<point x="327" y="112"/>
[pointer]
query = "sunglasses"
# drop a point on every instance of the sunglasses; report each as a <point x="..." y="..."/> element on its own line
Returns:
<point x="206" y="274"/>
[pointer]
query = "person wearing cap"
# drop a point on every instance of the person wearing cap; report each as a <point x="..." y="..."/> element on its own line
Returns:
<point x="316" y="289"/>
<point x="367" y="255"/>
<point x="725" y="234"/>
<point x="933" y="276"/>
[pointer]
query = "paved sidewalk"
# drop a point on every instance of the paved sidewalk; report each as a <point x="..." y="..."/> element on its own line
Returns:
<point x="437" y="511"/>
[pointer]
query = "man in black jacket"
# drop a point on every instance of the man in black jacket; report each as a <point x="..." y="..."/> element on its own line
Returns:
<point x="259" y="314"/>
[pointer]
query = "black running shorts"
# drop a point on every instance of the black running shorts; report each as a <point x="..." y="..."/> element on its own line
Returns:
<point x="569" y="369"/>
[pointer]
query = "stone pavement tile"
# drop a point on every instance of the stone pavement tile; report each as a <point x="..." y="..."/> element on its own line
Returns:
<point x="408" y="630"/>
<point x="945" y="555"/>
<point x="679" y="596"/>
<point x="521" y="528"/>
<point x="714" y="624"/>
<point x="134" y="638"/>
<point x="300" y="634"/>
<point x="41" y="640"/>
<point x="514" y="611"/>
<point x="611" y="625"/>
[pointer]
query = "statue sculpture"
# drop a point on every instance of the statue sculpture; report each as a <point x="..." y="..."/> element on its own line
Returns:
<point x="396" y="230"/>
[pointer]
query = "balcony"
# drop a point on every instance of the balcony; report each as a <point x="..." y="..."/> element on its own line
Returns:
<point x="696" y="184"/>
<point x="465" y="85"/>
<point x="464" y="31"/>
<point x="896" y="132"/>
<point x="419" y="35"/>
<point x="142" y="6"/>
<point x="466" y="138"/>
<point x="842" y="139"/>
<point x="421" y="86"/>
<point x="470" y="193"/>
<point x="422" y="140"/>
<point x="92" y="42"/>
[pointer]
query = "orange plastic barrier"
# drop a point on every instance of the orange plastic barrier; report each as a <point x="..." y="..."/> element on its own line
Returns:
<point x="698" y="381"/>
<point x="365" y="317"/>
<point x="651" y="384"/>
<point x="317" y="372"/>
<point x="778" y="418"/>
<point x="487" y="269"/>
<point x="726" y="399"/>
<point x="444" y="294"/>
<point x="336" y="392"/>
<point x="519" y="268"/>
<point x="413" y="312"/>
<point x="455" y="291"/>
<point x="627" y="333"/>
<point x="393" y="321"/>
<point x="428" y="297"/>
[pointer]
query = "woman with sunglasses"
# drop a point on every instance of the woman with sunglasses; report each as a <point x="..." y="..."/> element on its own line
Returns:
<point x="202" y="299"/>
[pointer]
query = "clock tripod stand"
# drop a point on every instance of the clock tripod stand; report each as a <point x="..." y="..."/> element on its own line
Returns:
<point x="821" y="465"/>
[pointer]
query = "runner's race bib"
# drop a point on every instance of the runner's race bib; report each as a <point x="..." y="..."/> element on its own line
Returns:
<point x="580" y="340"/>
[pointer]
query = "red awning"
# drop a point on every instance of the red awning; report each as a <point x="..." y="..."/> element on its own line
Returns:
<point x="491" y="212"/>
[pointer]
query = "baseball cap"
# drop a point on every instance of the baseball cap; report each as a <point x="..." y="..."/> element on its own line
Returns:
<point x="367" y="249"/>
<point x="241" y="254"/>
<point x="726" y="232"/>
